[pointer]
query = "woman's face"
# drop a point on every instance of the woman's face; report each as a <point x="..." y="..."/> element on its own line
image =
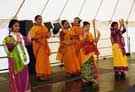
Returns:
<point x="39" y="20"/>
<point x="16" y="27"/>
<point x="86" y="28"/>
<point x="76" y="21"/>
<point x="115" y="26"/>
<point x="66" y="25"/>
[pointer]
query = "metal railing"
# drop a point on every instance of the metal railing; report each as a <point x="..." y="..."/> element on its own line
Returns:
<point x="105" y="47"/>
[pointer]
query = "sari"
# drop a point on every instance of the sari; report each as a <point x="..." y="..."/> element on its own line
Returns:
<point x="41" y="51"/>
<point x="89" y="70"/>
<point x="76" y="30"/>
<point x="17" y="59"/>
<point x="118" y="50"/>
<point x="68" y="54"/>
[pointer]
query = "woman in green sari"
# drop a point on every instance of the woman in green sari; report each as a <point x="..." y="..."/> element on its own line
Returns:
<point x="17" y="58"/>
<point x="89" y="71"/>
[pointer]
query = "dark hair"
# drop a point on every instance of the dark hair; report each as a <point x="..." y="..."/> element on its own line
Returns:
<point x="63" y="21"/>
<point x="12" y="22"/>
<point x="78" y="19"/>
<point x="112" y="25"/>
<point x="36" y="17"/>
<point x="85" y="23"/>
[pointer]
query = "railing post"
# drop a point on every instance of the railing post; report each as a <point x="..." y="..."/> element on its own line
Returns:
<point x="128" y="39"/>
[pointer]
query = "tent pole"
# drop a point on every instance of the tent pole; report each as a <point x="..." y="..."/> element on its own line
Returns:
<point x="81" y="8"/>
<point x="101" y="2"/>
<point x="94" y="27"/>
<point x="128" y="38"/>
<point x="15" y="16"/>
<point x="57" y="20"/>
<point x="63" y="9"/>
<point x="95" y="35"/>
<point x="130" y="11"/>
<point x="114" y="10"/>
<point x="44" y="7"/>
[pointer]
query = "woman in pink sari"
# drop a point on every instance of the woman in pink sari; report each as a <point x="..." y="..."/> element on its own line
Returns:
<point x="17" y="58"/>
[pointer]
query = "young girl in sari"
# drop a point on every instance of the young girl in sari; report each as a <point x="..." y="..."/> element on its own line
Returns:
<point x="17" y="58"/>
<point x="67" y="50"/>
<point x="119" y="54"/>
<point x="89" y="71"/>
<point x="76" y="28"/>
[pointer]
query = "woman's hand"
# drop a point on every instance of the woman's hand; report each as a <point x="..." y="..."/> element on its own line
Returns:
<point x="98" y="33"/>
<point x="48" y="35"/>
<point x="121" y="21"/>
<point x="16" y="43"/>
<point x="19" y="38"/>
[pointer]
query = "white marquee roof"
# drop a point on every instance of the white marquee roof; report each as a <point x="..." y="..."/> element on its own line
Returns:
<point x="68" y="9"/>
<point x="51" y="10"/>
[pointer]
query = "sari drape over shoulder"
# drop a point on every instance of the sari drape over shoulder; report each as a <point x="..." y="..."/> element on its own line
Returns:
<point x="67" y="50"/>
<point x="86" y="57"/>
<point x="17" y="59"/>
<point x="118" y="50"/>
<point x="41" y="51"/>
<point x="76" y="30"/>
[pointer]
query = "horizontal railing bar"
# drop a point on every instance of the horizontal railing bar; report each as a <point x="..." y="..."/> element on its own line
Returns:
<point x="104" y="47"/>
<point x="3" y="57"/>
<point x="3" y="69"/>
<point x="59" y="41"/>
<point x="56" y="52"/>
<point x="1" y="44"/>
<point x="54" y="42"/>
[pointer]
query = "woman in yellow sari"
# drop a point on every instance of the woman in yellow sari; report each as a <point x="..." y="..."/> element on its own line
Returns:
<point x="67" y="50"/>
<point x="39" y="35"/>
<point x="89" y="71"/>
<point x="119" y="54"/>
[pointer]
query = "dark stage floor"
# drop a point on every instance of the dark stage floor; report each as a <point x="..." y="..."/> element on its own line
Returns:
<point x="60" y="83"/>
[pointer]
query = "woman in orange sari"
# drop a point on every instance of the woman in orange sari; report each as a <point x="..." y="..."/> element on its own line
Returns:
<point x="67" y="50"/>
<point x="76" y="29"/>
<point x="39" y="35"/>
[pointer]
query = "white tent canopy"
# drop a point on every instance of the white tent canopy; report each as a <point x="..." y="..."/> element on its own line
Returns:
<point x="68" y="9"/>
<point x="102" y="11"/>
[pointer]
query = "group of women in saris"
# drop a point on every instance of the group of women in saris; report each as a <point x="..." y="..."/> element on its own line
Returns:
<point x="67" y="50"/>
<point x="78" y="47"/>
<point x="18" y="57"/>
<point x="76" y="50"/>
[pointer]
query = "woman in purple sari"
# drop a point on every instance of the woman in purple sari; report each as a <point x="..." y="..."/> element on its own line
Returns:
<point x="17" y="58"/>
<point x="120" y="63"/>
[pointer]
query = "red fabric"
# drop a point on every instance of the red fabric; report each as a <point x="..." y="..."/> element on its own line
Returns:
<point x="26" y="41"/>
<point x="62" y="34"/>
<point x="90" y="47"/>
